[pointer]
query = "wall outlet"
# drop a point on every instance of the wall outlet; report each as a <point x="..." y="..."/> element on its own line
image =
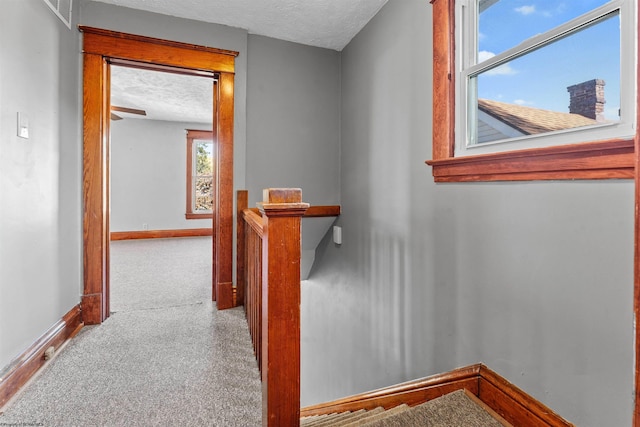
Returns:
<point x="337" y="235"/>
<point x="145" y="226"/>
<point x="23" y="125"/>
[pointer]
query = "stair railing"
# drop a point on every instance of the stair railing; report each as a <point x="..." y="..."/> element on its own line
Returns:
<point x="249" y="270"/>
<point x="268" y="282"/>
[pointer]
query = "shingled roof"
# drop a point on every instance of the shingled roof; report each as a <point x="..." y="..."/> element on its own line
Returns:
<point x="531" y="121"/>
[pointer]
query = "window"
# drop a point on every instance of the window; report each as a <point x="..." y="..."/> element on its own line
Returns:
<point x="200" y="174"/>
<point x="519" y="89"/>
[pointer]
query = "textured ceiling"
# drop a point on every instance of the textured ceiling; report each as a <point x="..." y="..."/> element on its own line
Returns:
<point x="164" y="96"/>
<point x="324" y="23"/>
<point x="329" y="24"/>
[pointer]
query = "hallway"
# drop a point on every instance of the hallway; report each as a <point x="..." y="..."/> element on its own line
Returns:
<point x="166" y="356"/>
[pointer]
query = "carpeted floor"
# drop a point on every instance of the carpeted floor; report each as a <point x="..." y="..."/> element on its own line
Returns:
<point x="156" y="273"/>
<point x="166" y="356"/>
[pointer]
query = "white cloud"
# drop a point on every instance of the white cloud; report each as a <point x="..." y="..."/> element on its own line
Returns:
<point x="483" y="55"/>
<point x="522" y="102"/>
<point x="525" y="10"/>
<point x="502" y="70"/>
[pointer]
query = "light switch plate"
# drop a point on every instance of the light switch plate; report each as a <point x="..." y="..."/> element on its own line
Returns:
<point x="23" y="125"/>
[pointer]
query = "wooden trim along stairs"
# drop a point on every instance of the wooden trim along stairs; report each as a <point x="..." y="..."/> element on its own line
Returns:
<point x="502" y="397"/>
<point x="22" y="368"/>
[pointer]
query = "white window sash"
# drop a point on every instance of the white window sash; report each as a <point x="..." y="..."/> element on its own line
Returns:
<point x="466" y="56"/>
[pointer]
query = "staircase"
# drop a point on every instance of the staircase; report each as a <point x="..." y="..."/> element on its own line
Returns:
<point x="460" y="408"/>
<point x="268" y="285"/>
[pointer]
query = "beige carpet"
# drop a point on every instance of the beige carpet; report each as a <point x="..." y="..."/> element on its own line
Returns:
<point x="171" y="359"/>
<point x="457" y="409"/>
<point x="452" y="410"/>
<point x="154" y="273"/>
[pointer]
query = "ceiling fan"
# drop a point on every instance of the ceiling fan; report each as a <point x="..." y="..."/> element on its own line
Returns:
<point x="125" y="110"/>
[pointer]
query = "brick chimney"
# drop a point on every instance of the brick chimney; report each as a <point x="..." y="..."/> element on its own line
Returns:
<point x="587" y="99"/>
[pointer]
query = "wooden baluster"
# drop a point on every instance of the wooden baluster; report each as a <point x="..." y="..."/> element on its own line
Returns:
<point x="282" y="211"/>
<point x="254" y="303"/>
<point x="257" y="303"/>
<point x="250" y="292"/>
<point x="258" y="293"/>
<point x="242" y="203"/>
<point x="250" y="283"/>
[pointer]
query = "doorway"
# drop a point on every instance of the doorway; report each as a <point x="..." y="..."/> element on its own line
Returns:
<point x="161" y="160"/>
<point x="101" y="49"/>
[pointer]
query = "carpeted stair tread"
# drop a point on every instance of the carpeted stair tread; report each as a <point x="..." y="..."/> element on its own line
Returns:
<point x="355" y="417"/>
<point x="349" y="418"/>
<point x="330" y="419"/>
<point x="378" y="417"/>
<point x="305" y="421"/>
<point x="451" y="410"/>
<point x="324" y="419"/>
<point x="460" y="408"/>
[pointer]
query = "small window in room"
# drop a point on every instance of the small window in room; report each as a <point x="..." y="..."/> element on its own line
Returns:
<point x="200" y="174"/>
<point x="531" y="74"/>
<point x="542" y="73"/>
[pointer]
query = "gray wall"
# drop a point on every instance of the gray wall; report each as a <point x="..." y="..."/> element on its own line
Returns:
<point x="40" y="201"/>
<point x="148" y="173"/>
<point x="532" y="279"/>
<point x="293" y="119"/>
<point x="293" y="127"/>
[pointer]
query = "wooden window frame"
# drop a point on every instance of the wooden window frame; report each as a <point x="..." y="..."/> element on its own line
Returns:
<point x="192" y="135"/>
<point x="606" y="159"/>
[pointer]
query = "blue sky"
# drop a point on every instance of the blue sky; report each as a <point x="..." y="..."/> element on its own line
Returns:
<point x="540" y="79"/>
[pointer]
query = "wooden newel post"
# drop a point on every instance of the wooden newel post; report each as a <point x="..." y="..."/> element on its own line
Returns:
<point x="282" y="211"/>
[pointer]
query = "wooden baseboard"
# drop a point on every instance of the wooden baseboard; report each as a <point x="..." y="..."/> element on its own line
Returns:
<point x="412" y="393"/>
<point x="160" y="234"/>
<point x="508" y="401"/>
<point x="513" y="404"/>
<point x="21" y="369"/>
<point x="224" y="298"/>
<point x="91" y="306"/>
<point x="487" y="408"/>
